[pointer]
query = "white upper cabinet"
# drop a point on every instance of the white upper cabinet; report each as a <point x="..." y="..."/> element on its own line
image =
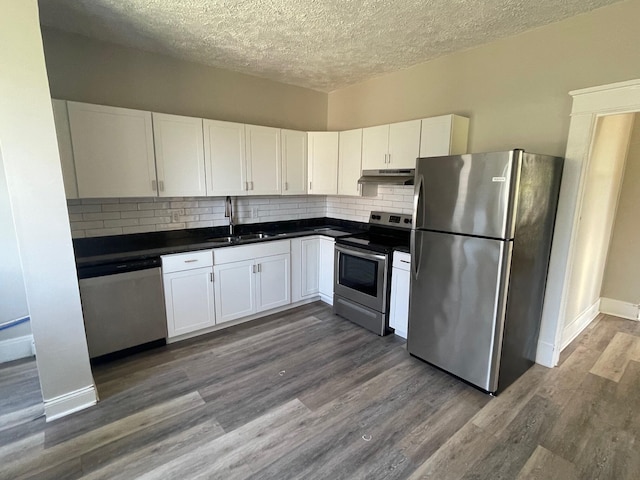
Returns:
<point x="263" y="160"/>
<point x="404" y="144"/>
<point x="323" y="163"/>
<point x="349" y="162"/>
<point x="113" y="151"/>
<point x="375" y="147"/>
<point x="61" y="119"/>
<point x="179" y="146"/>
<point x="224" y="152"/>
<point x="294" y="162"/>
<point x="391" y="146"/>
<point x="444" y="135"/>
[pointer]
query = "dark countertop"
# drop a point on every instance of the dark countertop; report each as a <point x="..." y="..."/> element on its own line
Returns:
<point x="95" y="251"/>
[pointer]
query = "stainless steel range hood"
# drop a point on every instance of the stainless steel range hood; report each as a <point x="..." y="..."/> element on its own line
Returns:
<point x="387" y="177"/>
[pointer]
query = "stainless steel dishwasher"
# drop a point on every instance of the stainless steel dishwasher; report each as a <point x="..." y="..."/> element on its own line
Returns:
<point x="123" y="305"/>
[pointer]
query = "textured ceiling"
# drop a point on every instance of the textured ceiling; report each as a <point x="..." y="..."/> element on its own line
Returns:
<point x="319" y="44"/>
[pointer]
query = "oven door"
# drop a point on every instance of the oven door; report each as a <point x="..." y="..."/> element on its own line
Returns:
<point x="361" y="276"/>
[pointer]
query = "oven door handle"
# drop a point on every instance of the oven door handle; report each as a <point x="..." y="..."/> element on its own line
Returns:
<point x="360" y="253"/>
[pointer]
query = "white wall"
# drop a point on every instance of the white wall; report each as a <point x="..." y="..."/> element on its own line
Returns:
<point x="622" y="275"/>
<point x="36" y="192"/>
<point x="600" y="197"/>
<point x="15" y="342"/>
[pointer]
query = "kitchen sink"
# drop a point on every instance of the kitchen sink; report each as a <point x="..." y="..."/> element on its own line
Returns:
<point x="222" y="239"/>
<point x="241" y="238"/>
<point x="254" y="236"/>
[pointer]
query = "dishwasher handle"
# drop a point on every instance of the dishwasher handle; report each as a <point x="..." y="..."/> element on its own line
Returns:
<point x="114" y="268"/>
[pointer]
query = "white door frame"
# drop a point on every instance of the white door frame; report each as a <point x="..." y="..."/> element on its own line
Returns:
<point x="588" y="105"/>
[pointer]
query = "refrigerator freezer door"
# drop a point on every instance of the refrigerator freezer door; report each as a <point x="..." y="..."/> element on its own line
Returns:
<point x="467" y="194"/>
<point x="456" y="312"/>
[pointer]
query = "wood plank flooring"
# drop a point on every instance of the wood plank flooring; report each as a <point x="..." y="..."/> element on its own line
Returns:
<point x="308" y="395"/>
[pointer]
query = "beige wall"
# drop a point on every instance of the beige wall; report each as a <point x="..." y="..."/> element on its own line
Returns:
<point x="514" y="90"/>
<point x="599" y="203"/>
<point x="92" y="71"/>
<point x="622" y="275"/>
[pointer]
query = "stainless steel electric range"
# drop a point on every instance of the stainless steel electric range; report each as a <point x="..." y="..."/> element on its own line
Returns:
<point x="362" y="278"/>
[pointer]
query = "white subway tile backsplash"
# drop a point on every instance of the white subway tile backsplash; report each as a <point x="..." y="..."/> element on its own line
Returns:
<point x="124" y="222"/>
<point x="101" y="216"/>
<point x="137" y="214"/>
<point x="103" y="232"/>
<point x="119" y="207"/>
<point x="98" y="217"/>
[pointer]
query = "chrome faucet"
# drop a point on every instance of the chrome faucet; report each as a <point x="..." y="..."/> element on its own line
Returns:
<point x="228" y="212"/>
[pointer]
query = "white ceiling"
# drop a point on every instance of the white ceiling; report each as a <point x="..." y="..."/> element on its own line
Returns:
<point x="318" y="44"/>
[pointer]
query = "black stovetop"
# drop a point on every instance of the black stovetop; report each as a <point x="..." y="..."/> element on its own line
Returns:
<point x="378" y="239"/>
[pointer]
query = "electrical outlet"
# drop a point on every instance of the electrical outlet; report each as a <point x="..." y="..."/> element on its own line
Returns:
<point x="176" y="214"/>
<point x="254" y="212"/>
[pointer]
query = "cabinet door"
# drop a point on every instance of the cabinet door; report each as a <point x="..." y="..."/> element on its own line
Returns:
<point x="179" y="146"/>
<point x="325" y="286"/>
<point x="63" y="134"/>
<point x="310" y="262"/>
<point x="350" y="162"/>
<point x="234" y="287"/>
<point x="273" y="286"/>
<point x="263" y="160"/>
<point x="404" y="144"/>
<point x="399" y="310"/>
<point x="436" y="136"/>
<point x="375" y="147"/>
<point x="189" y="300"/>
<point x="113" y="151"/>
<point x="323" y="163"/>
<point x="224" y="152"/>
<point x="294" y="162"/>
<point x="444" y="135"/>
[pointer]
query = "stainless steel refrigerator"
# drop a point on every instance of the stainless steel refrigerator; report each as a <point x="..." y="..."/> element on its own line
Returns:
<point x="480" y="245"/>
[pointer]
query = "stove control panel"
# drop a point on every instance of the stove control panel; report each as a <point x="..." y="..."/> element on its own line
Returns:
<point x="388" y="219"/>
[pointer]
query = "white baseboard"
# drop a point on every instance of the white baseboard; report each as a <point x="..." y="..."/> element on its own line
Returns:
<point x="326" y="299"/>
<point x="575" y="328"/>
<point x="15" y="348"/>
<point x="619" y="308"/>
<point x="69" y="403"/>
<point x="545" y="354"/>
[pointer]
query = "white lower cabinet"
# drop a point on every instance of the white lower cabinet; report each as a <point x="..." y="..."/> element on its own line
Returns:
<point x="400" y="277"/>
<point x="325" y="286"/>
<point x="273" y="286"/>
<point x="305" y="268"/>
<point x="250" y="279"/>
<point x="188" y="292"/>
<point x="235" y="290"/>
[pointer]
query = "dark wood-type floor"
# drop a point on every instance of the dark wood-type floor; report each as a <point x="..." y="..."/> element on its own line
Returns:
<point x="308" y="395"/>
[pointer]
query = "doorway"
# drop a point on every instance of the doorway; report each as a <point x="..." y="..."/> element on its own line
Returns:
<point x="589" y="106"/>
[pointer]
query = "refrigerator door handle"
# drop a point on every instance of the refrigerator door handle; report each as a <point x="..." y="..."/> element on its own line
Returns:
<point x="418" y="193"/>
<point x="415" y="258"/>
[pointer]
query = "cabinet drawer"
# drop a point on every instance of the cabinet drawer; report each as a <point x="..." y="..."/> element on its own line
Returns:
<point x="186" y="261"/>
<point x="402" y="260"/>
<point x="249" y="252"/>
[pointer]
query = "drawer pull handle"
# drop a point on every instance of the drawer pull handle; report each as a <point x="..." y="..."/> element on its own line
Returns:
<point x="191" y="261"/>
<point x="405" y="261"/>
